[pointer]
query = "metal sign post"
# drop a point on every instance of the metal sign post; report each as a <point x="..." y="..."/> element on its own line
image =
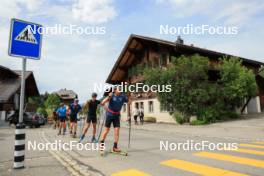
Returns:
<point x="22" y="94"/>
<point x="25" y="41"/>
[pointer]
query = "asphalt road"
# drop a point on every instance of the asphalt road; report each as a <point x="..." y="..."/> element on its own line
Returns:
<point x="145" y="157"/>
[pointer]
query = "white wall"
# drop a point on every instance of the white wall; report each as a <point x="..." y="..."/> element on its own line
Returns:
<point x="2" y="115"/>
<point x="160" y="116"/>
<point x="254" y="105"/>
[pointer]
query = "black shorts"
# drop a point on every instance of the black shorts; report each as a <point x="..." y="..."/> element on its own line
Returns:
<point x="62" y="119"/>
<point x="73" y="119"/>
<point x="112" y="119"/>
<point x="91" y="118"/>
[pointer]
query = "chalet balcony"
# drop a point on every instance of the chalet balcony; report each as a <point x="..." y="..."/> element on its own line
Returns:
<point x="136" y="79"/>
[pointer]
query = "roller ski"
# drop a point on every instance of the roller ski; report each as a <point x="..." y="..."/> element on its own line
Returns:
<point x="118" y="152"/>
<point x="81" y="138"/>
<point x="102" y="153"/>
<point x="102" y="149"/>
<point x="74" y="135"/>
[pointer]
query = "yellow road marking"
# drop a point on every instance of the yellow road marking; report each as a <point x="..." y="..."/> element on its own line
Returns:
<point x="200" y="169"/>
<point x="251" y="145"/>
<point x="259" y="142"/>
<point x="247" y="151"/>
<point x="234" y="159"/>
<point x="130" y="172"/>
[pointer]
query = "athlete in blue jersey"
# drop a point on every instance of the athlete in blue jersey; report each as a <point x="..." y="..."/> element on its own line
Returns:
<point x="115" y="102"/>
<point x="62" y="111"/>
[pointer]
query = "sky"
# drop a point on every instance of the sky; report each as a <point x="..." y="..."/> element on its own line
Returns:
<point x="78" y="61"/>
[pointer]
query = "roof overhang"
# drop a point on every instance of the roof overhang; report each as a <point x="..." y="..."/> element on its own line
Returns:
<point x="12" y="85"/>
<point x="136" y="42"/>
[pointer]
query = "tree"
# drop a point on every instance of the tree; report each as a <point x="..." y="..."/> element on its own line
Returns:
<point x="52" y="102"/>
<point x="85" y="109"/>
<point x="42" y="111"/>
<point x="192" y="92"/>
<point x="189" y="80"/>
<point x="238" y="83"/>
<point x="38" y="101"/>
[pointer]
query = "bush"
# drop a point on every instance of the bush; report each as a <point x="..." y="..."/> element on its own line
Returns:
<point x="52" y="102"/>
<point x="50" y="112"/>
<point x="233" y="115"/>
<point x="210" y="115"/>
<point x="150" y="119"/>
<point x="42" y="111"/>
<point x="198" y="122"/>
<point x="213" y="114"/>
<point x="229" y="115"/>
<point x="179" y="117"/>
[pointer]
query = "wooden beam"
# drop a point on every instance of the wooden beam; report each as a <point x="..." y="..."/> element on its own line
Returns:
<point x="123" y="68"/>
<point x="135" y="51"/>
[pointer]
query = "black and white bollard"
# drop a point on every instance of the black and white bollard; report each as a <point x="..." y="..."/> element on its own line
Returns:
<point x="19" y="154"/>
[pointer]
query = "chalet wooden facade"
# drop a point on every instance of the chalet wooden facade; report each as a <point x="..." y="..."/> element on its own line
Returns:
<point x="67" y="96"/>
<point x="10" y="81"/>
<point x="140" y="51"/>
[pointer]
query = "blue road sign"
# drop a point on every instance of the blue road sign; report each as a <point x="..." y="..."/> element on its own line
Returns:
<point x="25" y="39"/>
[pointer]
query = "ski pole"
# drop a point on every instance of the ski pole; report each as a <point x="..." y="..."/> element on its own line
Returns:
<point x="129" y="119"/>
<point x="129" y="133"/>
<point x="81" y="126"/>
<point x="104" y="117"/>
<point x="99" y="119"/>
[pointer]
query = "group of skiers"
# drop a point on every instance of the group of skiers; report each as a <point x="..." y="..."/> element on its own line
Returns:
<point x="60" y="117"/>
<point x="112" y="103"/>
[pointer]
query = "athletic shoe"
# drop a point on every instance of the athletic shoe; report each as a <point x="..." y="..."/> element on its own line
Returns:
<point x="82" y="137"/>
<point x="117" y="150"/>
<point x="102" y="146"/>
<point x="93" y="140"/>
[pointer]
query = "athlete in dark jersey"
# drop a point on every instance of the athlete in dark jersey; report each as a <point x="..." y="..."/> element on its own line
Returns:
<point x="115" y="102"/>
<point x="75" y="108"/>
<point x="92" y="118"/>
